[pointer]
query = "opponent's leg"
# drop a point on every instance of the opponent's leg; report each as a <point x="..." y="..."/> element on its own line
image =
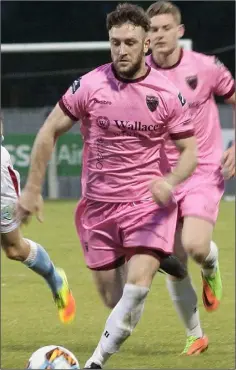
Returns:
<point x="197" y="241"/>
<point x="35" y="257"/>
<point x="126" y="314"/>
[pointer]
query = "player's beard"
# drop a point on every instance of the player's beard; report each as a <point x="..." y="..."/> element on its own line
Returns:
<point x="132" y="70"/>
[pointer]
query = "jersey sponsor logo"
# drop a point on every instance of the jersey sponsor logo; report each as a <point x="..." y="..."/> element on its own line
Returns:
<point x="75" y="85"/>
<point x="103" y="122"/>
<point x="152" y="102"/>
<point x="192" y="81"/>
<point x="139" y="126"/>
<point x="181" y="99"/>
<point x="95" y="100"/>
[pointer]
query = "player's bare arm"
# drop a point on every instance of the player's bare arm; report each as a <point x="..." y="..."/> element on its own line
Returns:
<point x="187" y="161"/>
<point x="229" y="155"/>
<point x="162" y="188"/>
<point x="30" y="201"/>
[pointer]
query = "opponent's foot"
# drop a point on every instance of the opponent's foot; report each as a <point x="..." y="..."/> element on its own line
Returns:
<point x="195" y="345"/>
<point x="173" y="266"/>
<point x="93" y="365"/>
<point x="64" y="300"/>
<point x="212" y="290"/>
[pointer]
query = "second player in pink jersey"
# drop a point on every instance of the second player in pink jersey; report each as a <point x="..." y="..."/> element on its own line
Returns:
<point x="199" y="77"/>
<point x="127" y="211"/>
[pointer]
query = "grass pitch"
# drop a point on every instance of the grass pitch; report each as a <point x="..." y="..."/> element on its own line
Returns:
<point x="29" y="318"/>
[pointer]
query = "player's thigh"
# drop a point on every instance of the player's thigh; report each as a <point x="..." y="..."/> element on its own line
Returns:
<point x="196" y="235"/>
<point x="110" y="284"/>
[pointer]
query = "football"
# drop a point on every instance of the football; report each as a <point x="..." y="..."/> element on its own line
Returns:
<point x="53" y="357"/>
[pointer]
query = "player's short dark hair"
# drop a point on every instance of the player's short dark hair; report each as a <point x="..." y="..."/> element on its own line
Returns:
<point x="164" y="7"/>
<point x="128" y="13"/>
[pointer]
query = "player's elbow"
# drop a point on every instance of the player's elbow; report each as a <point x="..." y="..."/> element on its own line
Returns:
<point x="45" y="136"/>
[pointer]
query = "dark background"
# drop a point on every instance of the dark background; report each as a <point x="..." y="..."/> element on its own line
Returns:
<point x="39" y="79"/>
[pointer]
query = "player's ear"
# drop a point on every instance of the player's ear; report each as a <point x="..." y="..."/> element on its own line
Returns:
<point x="181" y="31"/>
<point x="146" y="45"/>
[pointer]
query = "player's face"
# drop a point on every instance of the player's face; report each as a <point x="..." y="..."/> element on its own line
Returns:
<point x="165" y="33"/>
<point x="129" y="44"/>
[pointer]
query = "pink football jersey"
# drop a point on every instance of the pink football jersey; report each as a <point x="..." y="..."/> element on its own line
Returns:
<point x="124" y="124"/>
<point x="199" y="77"/>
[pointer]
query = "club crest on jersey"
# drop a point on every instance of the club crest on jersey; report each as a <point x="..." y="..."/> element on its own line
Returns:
<point x="152" y="102"/>
<point x="75" y="85"/>
<point x="103" y="122"/>
<point x="192" y="81"/>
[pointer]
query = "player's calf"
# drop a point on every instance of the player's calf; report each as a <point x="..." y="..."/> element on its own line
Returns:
<point x="196" y="237"/>
<point x="35" y="257"/>
<point x="110" y="283"/>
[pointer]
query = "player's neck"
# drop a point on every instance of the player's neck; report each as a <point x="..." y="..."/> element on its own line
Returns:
<point x="167" y="61"/>
<point x="142" y="72"/>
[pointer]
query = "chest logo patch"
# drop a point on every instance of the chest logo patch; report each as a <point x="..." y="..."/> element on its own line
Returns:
<point x="192" y="82"/>
<point x="152" y="102"/>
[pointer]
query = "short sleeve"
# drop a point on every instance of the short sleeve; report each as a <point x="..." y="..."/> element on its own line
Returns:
<point x="74" y="101"/>
<point x="223" y="82"/>
<point x="178" y="118"/>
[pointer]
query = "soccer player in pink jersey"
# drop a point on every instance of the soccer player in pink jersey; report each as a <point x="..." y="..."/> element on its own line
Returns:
<point x="127" y="211"/>
<point x="198" y="77"/>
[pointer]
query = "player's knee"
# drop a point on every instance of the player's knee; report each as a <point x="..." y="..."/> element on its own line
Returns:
<point x="142" y="278"/>
<point x="15" y="250"/>
<point x="13" y="253"/>
<point x="197" y="248"/>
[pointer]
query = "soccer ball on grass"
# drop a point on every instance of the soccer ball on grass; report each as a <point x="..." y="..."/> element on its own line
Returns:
<point x="53" y="357"/>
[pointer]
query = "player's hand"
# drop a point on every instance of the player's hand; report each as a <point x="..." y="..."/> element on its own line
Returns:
<point x="228" y="162"/>
<point x="161" y="191"/>
<point x="29" y="203"/>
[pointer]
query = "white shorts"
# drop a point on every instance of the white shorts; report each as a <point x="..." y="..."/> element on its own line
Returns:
<point x="10" y="190"/>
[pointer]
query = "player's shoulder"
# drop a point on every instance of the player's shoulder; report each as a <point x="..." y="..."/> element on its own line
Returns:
<point x="202" y="60"/>
<point x="97" y="75"/>
<point x="162" y="82"/>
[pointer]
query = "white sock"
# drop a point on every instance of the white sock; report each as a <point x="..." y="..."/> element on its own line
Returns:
<point x="120" y="324"/>
<point x="184" y="299"/>
<point x="210" y="263"/>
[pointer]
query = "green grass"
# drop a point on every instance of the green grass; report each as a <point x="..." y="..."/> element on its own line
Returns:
<point x="29" y="318"/>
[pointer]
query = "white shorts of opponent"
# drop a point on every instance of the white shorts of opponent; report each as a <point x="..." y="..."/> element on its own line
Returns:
<point x="10" y="190"/>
